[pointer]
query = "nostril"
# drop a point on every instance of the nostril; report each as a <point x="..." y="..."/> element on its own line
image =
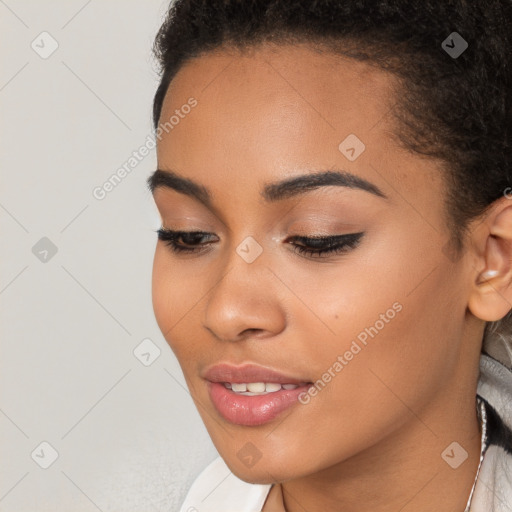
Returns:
<point x="250" y="332"/>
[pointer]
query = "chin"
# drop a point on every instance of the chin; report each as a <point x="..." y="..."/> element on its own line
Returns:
<point x="262" y="472"/>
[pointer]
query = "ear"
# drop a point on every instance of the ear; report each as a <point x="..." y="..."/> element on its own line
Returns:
<point x="491" y="291"/>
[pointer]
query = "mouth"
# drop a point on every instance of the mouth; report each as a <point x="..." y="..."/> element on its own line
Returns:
<point x="252" y="395"/>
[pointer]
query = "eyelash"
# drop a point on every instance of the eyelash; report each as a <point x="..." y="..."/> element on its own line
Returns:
<point x="324" y="245"/>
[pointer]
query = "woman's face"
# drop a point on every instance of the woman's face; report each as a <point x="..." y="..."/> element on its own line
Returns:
<point x="378" y="326"/>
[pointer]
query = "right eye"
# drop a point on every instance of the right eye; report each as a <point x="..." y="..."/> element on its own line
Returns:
<point x="190" y="238"/>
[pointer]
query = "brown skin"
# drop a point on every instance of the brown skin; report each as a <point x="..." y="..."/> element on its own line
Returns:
<point x="372" y="439"/>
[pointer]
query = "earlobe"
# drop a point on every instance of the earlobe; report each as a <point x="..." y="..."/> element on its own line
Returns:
<point x="491" y="294"/>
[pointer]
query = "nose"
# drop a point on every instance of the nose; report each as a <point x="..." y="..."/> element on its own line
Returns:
<point x="246" y="302"/>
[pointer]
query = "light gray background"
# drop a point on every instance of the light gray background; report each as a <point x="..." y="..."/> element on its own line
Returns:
<point x="128" y="436"/>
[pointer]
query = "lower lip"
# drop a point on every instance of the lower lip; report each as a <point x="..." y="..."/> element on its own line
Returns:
<point x="252" y="410"/>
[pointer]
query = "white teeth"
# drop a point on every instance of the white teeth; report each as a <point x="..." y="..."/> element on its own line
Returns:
<point x="256" y="387"/>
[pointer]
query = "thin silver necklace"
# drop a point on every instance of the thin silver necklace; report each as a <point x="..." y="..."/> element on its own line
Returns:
<point x="482" y="416"/>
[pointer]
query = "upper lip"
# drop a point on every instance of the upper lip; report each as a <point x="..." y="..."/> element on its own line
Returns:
<point x="249" y="372"/>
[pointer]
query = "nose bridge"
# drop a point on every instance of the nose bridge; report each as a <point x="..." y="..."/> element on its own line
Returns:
<point x="245" y="271"/>
<point x="244" y="297"/>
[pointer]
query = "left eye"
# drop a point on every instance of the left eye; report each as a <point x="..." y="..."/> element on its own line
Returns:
<point x="315" y="247"/>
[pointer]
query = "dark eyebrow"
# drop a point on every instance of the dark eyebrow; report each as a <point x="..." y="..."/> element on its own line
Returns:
<point x="271" y="192"/>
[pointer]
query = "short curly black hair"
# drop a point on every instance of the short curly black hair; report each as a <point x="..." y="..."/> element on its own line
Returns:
<point x="453" y="108"/>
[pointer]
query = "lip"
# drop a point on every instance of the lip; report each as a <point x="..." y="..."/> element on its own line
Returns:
<point x="251" y="410"/>
<point x="226" y="372"/>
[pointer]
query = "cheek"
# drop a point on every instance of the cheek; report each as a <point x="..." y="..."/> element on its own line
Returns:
<point x="170" y="295"/>
<point x="177" y="297"/>
<point x="387" y="345"/>
<point x="161" y="292"/>
<point x="350" y="304"/>
<point x="370" y="332"/>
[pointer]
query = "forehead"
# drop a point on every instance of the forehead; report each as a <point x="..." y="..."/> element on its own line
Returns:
<point x="298" y="81"/>
<point x="276" y="111"/>
<point x="278" y="97"/>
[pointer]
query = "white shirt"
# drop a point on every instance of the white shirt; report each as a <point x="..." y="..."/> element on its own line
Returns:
<point x="217" y="489"/>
